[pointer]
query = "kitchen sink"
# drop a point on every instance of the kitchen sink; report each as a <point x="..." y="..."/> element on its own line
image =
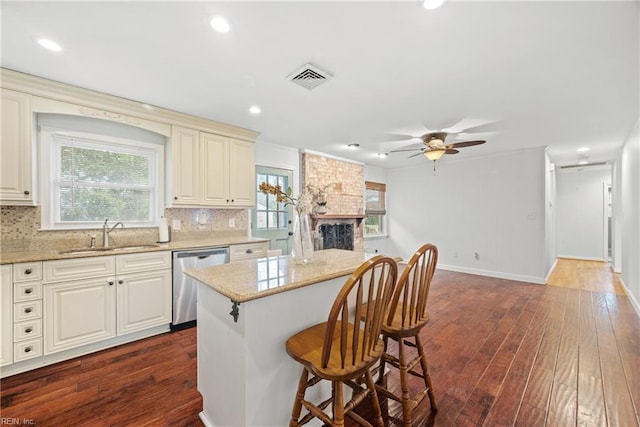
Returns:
<point x="80" y="251"/>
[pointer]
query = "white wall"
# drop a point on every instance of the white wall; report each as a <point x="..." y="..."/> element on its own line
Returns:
<point x="492" y="205"/>
<point x="377" y="244"/>
<point x="580" y="212"/>
<point x="279" y="156"/>
<point x="629" y="164"/>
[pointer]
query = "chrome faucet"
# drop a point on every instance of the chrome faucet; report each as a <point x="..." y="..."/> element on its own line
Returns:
<point x="106" y="230"/>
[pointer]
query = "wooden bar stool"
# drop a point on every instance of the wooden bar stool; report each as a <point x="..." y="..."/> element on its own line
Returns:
<point x="407" y="316"/>
<point x="342" y="350"/>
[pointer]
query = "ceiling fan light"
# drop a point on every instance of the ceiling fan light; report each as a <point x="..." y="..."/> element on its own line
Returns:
<point x="434" y="154"/>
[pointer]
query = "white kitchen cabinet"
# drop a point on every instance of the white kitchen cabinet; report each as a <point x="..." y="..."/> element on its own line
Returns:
<point x="248" y="251"/>
<point x="87" y="300"/>
<point x="212" y="170"/>
<point x="27" y="311"/>
<point x="78" y="312"/>
<point x="6" y="315"/>
<point x="143" y="300"/>
<point x="16" y="149"/>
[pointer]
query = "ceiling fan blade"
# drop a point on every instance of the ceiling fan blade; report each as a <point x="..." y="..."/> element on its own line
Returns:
<point x="414" y="155"/>
<point x="451" y="151"/>
<point x="465" y="144"/>
<point x="407" y="149"/>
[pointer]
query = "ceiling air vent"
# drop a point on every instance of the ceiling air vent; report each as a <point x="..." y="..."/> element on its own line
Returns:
<point x="309" y="76"/>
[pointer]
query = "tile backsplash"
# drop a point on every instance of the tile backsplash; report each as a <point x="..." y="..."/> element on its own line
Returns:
<point x="20" y="229"/>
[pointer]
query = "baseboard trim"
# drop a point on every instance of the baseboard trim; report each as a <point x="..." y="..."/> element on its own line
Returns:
<point x="497" y="274"/>
<point x="546" y="279"/>
<point x="634" y="302"/>
<point x="581" y="258"/>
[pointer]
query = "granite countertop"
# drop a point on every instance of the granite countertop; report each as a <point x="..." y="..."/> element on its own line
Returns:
<point x="48" y="255"/>
<point x="248" y="280"/>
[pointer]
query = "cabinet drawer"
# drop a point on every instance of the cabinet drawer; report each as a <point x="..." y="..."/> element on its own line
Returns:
<point x="27" y="349"/>
<point x="27" y="330"/>
<point x="27" y="310"/>
<point x="27" y="291"/>
<point x="145" y="261"/>
<point x="248" y="251"/>
<point x="26" y="271"/>
<point x="78" y="268"/>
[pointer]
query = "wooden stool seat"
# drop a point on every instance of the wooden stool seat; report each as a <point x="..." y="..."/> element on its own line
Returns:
<point x="343" y="350"/>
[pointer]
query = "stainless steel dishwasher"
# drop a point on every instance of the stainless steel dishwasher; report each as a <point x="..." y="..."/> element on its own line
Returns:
<point x="184" y="287"/>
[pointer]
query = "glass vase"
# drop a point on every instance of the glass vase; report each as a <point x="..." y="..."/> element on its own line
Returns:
<point x="302" y="248"/>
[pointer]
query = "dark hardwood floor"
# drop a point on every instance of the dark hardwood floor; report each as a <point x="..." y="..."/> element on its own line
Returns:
<point x="501" y="353"/>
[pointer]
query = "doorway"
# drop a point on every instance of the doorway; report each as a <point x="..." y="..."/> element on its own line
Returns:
<point x="271" y="219"/>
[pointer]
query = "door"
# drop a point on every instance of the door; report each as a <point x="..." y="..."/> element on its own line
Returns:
<point x="78" y="313"/>
<point x="144" y="300"/>
<point x="270" y="219"/>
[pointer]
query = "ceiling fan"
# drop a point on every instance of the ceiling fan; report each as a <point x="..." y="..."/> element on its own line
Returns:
<point x="435" y="146"/>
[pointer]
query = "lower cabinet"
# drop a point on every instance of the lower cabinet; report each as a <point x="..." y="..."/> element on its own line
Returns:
<point x="79" y="312"/>
<point x="88" y="310"/>
<point x="6" y="315"/>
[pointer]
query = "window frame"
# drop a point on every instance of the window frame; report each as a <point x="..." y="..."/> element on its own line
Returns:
<point x="50" y="142"/>
<point x="382" y="213"/>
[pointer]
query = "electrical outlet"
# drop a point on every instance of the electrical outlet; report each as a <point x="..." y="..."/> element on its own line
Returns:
<point x="232" y="222"/>
<point x="176" y="225"/>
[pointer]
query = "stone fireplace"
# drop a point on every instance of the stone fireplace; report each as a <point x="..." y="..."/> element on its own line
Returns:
<point x="341" y="225"/>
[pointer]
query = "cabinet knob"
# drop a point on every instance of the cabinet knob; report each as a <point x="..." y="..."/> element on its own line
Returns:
<point x="28" y="291"/>
<point x="28" y="330"/>
<point x="28" y="310"/>
<point x="227" y="200"/>
<point x="110" y="282"/>
<point x="120" y="282"/>
<point x="28" y="349"/>
<point x="28" y="271"/>
<point x="233" y="200"/>
<point x="175" y="198"/>
<point x="249" y="251"/>
<point x="27" y="192"/>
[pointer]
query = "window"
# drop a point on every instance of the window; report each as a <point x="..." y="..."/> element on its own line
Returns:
<point x="88" y="178"/>
<point x="271" y="215"/>
<point x="375" y="208"/>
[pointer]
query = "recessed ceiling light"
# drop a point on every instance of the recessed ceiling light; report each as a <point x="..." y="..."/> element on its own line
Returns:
<point x="49" y="44"/>
<point x="583" y="162"/>
<point x="220" y="24"/>
<point x="254" y="109"/>
<point x="353" y="146"/>
<point x="382" y="155"/>
<point x="432" y="4"/>
<point x="583" y="149"/>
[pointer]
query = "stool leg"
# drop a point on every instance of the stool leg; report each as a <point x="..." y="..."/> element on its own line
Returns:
<point x="404" y="384"/>
<point x="338" y="403"/>
<point x="385" y="340"/>
<point x="297" y="404"/>
<point x="427" y="377"/>
<point x="377" y="411"/>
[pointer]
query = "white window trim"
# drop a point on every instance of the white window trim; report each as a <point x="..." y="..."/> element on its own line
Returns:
<point x="49" y="167"/>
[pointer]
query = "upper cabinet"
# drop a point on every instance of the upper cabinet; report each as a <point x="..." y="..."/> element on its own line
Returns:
<point x="211" y="170"/>
<point x="16" y="149"/>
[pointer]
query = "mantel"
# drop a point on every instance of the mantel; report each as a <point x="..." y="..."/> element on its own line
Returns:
<point x="316" y="218"/>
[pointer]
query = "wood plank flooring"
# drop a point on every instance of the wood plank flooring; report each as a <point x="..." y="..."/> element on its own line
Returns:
<point x="501" y="353"/>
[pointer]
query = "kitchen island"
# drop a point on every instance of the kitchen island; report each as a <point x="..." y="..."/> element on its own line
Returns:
<point x="246" y="312"/>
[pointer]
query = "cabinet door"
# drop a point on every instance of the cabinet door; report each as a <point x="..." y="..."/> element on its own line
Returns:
<point x="144" y="300"/>
<point x="78" y="313"/>
<point x="6" y="315"/>
<point x="242" y="174"/>
<point x="215" y="169"/>
<point x="16" y="186"/>
<point x="186" y="158"/>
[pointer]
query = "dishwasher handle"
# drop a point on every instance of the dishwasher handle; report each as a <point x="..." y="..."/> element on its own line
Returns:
<point x="202" y="254"/>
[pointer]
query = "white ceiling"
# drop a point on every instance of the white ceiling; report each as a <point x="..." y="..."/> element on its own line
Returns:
<point x="527" y="74"/>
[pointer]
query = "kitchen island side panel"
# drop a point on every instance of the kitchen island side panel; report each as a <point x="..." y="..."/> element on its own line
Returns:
<point x="246" y="377"/>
